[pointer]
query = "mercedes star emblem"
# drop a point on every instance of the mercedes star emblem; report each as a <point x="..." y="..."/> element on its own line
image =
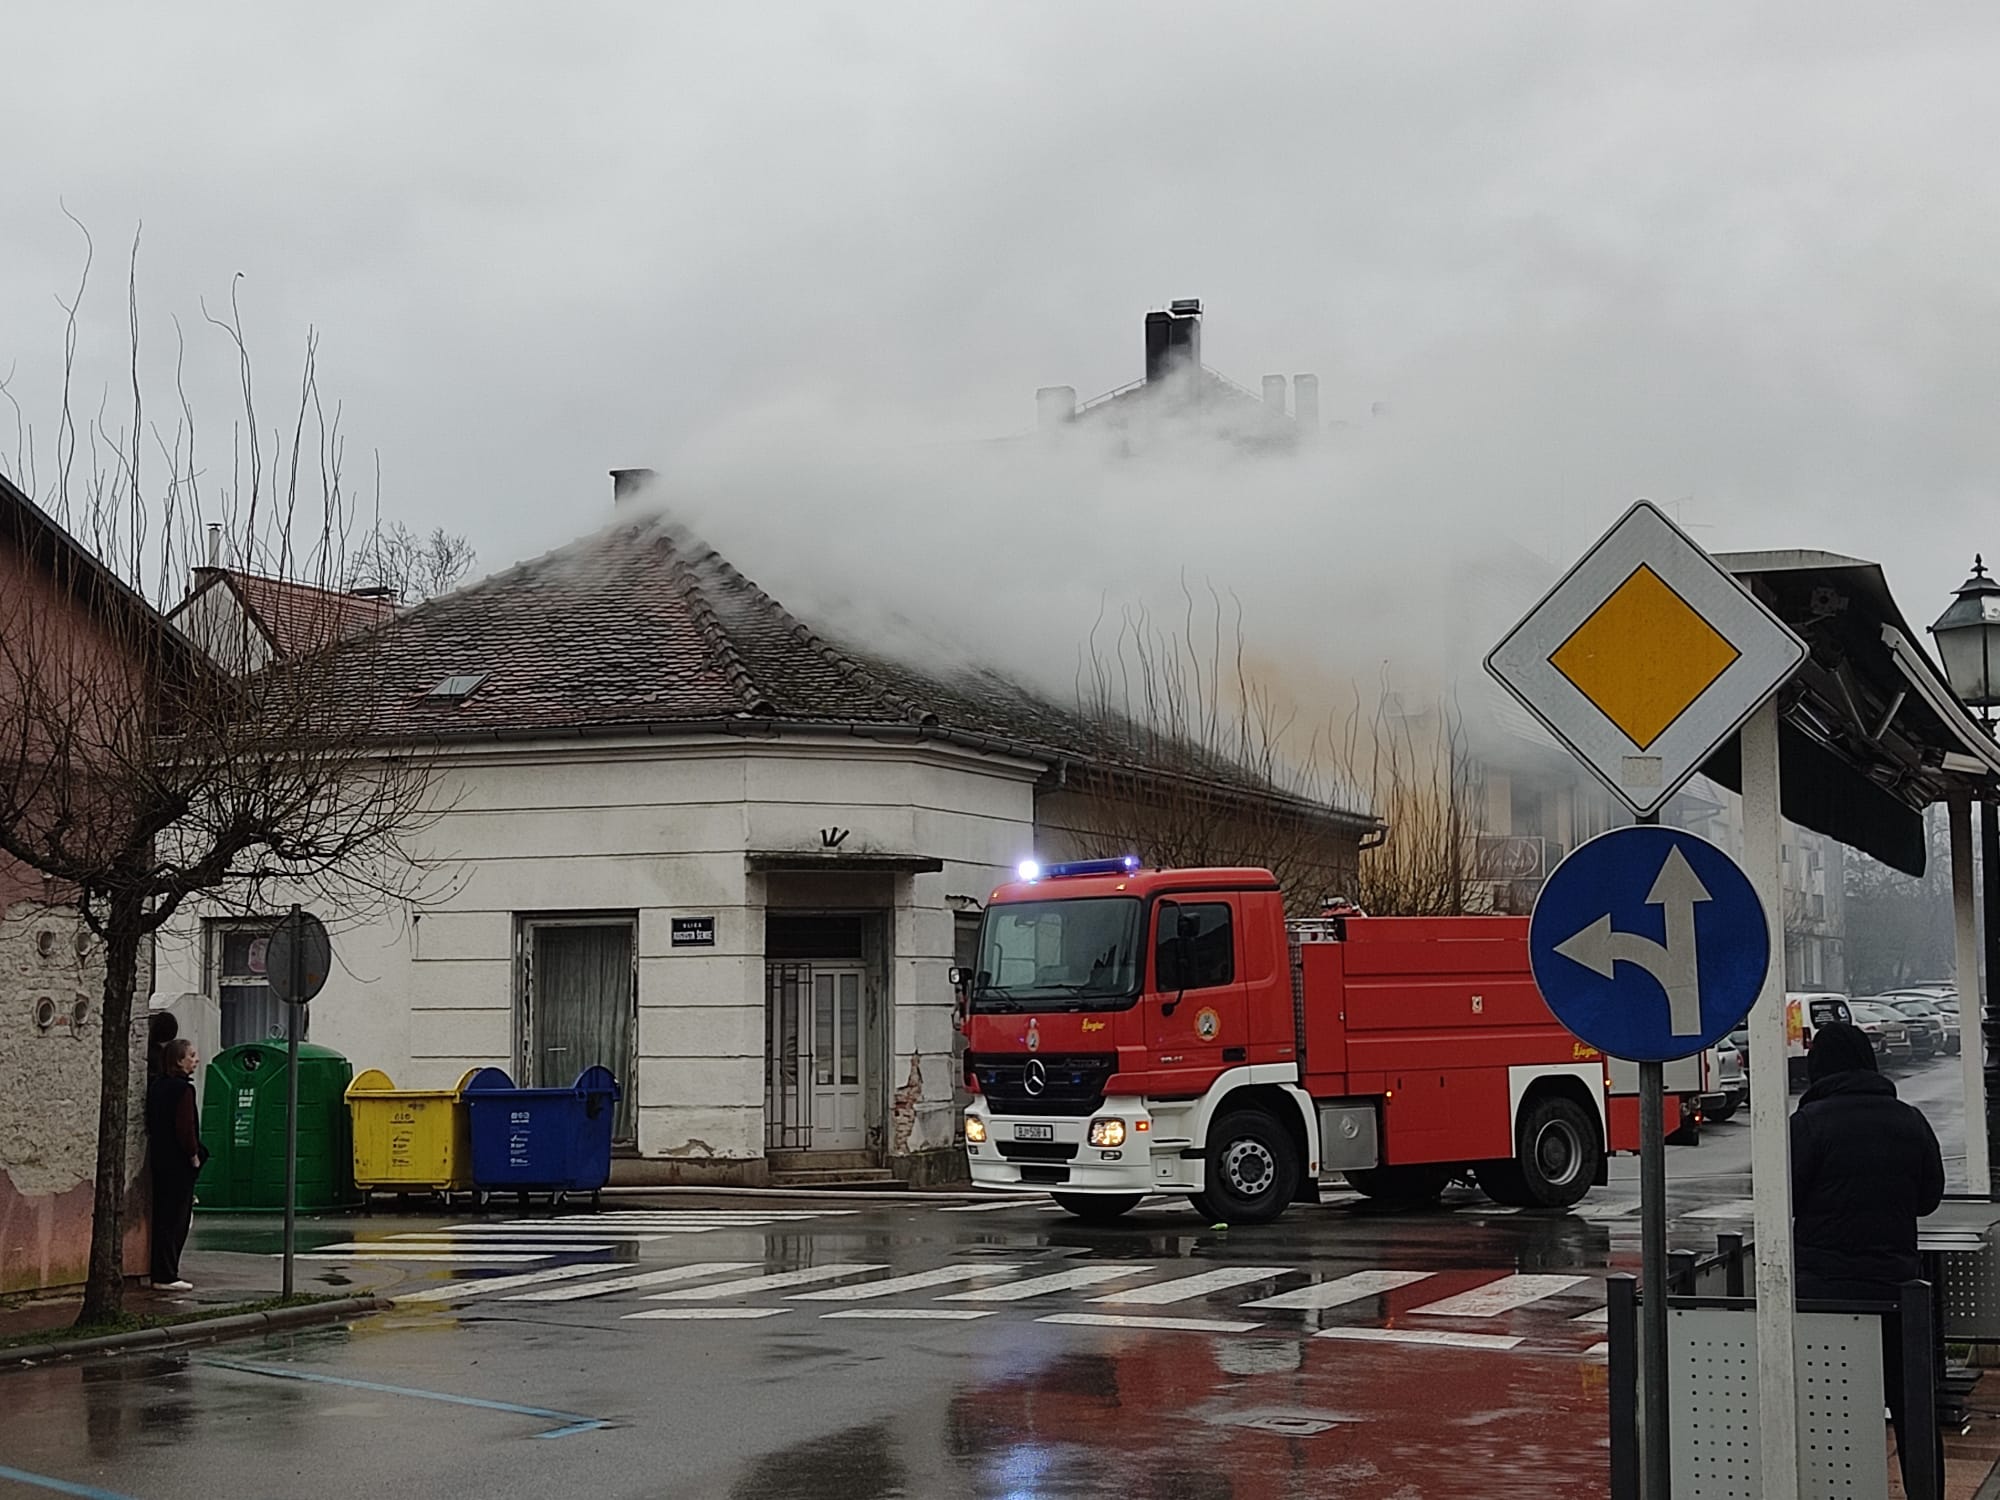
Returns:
<point x="1036" y="1078"/>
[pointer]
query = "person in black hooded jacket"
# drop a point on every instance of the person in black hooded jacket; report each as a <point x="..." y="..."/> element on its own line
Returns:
<point x="1865" y="1168"/>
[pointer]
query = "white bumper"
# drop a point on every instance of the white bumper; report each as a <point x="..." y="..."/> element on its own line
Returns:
<point x="1151" y="1159"/>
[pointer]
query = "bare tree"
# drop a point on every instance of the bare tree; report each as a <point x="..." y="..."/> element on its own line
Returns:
<point x="410" y="567"/>
<point x="1198" y="763"/>
<point x="136" y="772"/>
<point x="1423" y="783"/>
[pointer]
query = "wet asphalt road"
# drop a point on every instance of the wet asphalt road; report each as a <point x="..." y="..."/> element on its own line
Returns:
<point x="783" y="1348"/>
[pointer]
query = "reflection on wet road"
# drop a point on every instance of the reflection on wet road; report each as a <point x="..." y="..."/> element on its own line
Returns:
<point x="848" y="1350"/>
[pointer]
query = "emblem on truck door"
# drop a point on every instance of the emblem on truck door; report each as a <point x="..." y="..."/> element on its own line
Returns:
<point x="1206" y="1024"/>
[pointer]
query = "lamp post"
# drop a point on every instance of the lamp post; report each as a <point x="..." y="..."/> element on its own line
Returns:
<point x="1968" y="640"/>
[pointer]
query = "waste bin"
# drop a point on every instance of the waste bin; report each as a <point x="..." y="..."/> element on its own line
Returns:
<point x="543" y="1140"/>
<point x="243" y="1102"/>
<point x="410" y="1140"/>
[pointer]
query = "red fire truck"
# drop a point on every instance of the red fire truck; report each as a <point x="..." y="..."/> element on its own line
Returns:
<point x="1134" y="1031"/>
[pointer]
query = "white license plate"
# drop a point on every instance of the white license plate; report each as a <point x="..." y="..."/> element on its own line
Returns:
<point x="1034" y="1132"/>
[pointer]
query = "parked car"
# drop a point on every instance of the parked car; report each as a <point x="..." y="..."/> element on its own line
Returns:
<point x="1728" y="1080"/>
<point x="1885" y="1027"/>
<point x="1927" y="1015"/>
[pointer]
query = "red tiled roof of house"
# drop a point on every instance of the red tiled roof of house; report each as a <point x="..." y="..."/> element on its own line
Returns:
<point x="643" y="626"/>
<point x="300" y="617"/>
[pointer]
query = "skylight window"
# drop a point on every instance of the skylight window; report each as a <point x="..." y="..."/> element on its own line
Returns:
<point x="455" y="688"/>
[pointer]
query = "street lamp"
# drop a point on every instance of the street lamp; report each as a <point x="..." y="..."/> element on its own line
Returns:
<point x="1968" y="640"/>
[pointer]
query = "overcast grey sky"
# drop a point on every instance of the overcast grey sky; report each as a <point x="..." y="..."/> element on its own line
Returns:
<point x="1746" y="258"/>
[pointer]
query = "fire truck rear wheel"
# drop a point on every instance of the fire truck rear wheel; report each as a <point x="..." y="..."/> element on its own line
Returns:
<point x="1557" y="1162"/>
<point x="1253" y="1168"/>
<point x="1098" y="1208"/>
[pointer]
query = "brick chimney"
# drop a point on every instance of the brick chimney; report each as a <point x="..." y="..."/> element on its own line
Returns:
<point x="1305" y="402"/>
<point x="1173" y="340"/>
<point x="628" y="484"/>
<point x="1054" y="405"/>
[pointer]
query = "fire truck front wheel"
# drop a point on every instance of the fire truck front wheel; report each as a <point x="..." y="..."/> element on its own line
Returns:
<point x="1098" y="1208"/>
<point x="1253" y="1168"/>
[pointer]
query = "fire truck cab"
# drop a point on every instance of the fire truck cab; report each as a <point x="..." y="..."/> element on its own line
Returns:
<point x="1134" y="1031"/>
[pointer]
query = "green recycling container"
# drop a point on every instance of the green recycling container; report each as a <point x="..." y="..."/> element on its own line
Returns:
<point x="243" y="1125"/>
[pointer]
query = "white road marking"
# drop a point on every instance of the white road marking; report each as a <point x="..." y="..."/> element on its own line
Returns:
<point x="987" y="1208"/>
<point x="708" y="1314"/>
<point x="1342" y="1290"/>
<point x="1597" y="1351"/>
<point x="942" y="1276"/>
<point x="1037" y="1286"/>
<point x="1613" y="1210"/>
<point x="557" y="1247"/>
<point x="914" y="1314"/>
<point x="775" y="1282"/>
<point x="634" y="1282"/>
<point x="1595" y="1315"/>
<point x="486" y="1286"/>
<point x="1127" y="1320"/>
<point x="1421" y="1336"/>
<point x="1497" y="1297"/>
<point x="435" y="1257"/>
<point x="1186" y="1288"/>
<point x="1736" y="1208"/>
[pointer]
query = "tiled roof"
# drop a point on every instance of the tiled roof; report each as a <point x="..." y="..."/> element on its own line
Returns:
<point x="298" y="617"/>
<point x="644" y="625"/>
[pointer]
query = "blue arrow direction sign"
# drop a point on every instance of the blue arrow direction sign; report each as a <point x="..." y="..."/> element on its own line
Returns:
<point x="1649" y="943"/>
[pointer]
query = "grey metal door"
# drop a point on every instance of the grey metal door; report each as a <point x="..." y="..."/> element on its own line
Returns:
<point x="581" y="1000"/>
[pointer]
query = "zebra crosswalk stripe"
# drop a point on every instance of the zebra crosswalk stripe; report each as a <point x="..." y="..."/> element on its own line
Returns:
<point x="752" y="1285"/>
<point x="634" y="1282"/>
<point x="1737" y="1208"/>
<point x="1129" y="1320"/>
<point x="1341" y="1290"/>
<point x="487" y="1286"/>
<point x="1041" y="1286"/>
<point x="1186" y="1288"/>
<point x="1497" y="1297"/>
<point x="921" y="1280"/>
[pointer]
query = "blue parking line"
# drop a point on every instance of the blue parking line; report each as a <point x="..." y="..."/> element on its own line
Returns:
<point x="60" y="1486"/>
<point x="572" y="1423"/>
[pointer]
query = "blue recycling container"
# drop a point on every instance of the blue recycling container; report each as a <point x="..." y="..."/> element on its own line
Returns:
<point x="541" y="1140"/>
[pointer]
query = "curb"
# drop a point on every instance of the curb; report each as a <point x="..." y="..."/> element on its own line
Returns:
<point x="907" y="1195"/>
<point x="199" y="1330"/>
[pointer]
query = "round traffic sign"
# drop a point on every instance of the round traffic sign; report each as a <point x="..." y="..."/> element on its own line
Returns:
<point x="1649" y="943"/>
<point x="298" y="958"/>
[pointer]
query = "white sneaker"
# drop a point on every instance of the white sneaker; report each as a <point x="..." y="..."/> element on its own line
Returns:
<point x="175" y="1286"/>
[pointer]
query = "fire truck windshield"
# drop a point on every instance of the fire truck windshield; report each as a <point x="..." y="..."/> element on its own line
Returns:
<point x="1059" y="955"/>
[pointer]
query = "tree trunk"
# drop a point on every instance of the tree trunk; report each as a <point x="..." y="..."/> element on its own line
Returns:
<point x="104" y="1292"/>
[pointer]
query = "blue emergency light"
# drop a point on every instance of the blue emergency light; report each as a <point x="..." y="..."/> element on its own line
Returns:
<point x="1124" y="864"/>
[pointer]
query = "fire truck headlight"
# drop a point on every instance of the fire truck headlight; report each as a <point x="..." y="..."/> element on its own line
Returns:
<point x="1107" y="1132"/>
<point x="975" y="1129"/>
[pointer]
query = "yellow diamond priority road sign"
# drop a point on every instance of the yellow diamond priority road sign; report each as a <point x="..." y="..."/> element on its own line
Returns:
<point x="1645" y="658"/>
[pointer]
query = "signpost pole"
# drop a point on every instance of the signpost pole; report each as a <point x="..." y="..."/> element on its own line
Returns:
<point x="1653" y="1274"/>
<point x="1770" y="1124"/>
<point x="1656" y="1447"/>
<point x="297" y="978"/>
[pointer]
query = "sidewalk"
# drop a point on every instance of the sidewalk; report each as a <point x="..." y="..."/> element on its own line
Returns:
<point x="222" y="1280"/>
<point x="1971" y="1458"/>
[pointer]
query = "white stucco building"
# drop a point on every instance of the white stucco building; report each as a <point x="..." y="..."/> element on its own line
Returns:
<point x="689" y="838"/>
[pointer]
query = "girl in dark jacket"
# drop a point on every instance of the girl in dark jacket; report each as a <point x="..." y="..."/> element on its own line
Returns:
<point x="1865" y="1168"/>
<point x="175" y="1153"/>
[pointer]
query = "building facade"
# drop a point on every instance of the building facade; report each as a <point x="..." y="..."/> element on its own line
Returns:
<point x="683" y="835"/>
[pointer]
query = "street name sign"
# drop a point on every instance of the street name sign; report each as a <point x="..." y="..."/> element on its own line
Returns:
<point x="1649" y="943"/>
<point x="1645" y="658"/>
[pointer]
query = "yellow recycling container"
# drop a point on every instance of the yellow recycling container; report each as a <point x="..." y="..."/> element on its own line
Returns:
<point x="410" y="1140"/>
